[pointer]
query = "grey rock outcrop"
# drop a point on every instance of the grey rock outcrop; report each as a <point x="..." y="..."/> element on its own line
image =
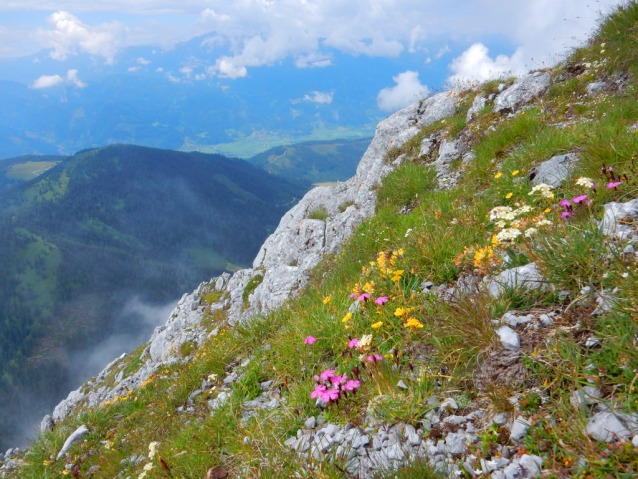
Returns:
<point x="554" y="171"/>
<point x="509" y="338"/>
<point x="609" y="426"/>
<point x="522" y="91"/>
<point x="477" y="105"/>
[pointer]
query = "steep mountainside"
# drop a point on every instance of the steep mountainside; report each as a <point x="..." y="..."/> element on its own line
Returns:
<point x="98" y="229"/>
<point x="313" y="161"/>
<point x="464" y="306"/>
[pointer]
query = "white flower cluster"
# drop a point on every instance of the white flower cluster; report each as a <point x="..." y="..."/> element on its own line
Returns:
<point x="152" y="449"/>
<point x="586" y="182"/>
<point x="543" y="222"/>
<point x="530" y="231"/>
<point x="508" y="234"/>
<point x="546" y="190"/>
<point x="502" y="213"/>
<point x="365" y="341"/>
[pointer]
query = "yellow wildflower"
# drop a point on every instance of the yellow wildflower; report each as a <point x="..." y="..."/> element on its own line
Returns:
<point x="401" y="311"/>
<point x="326" y="300"/>
<point x="346" y="318"/>
<point x="498" y="175"/>
<point x="508" y="196"/>
<point x="377" y="325"/>
<point x="369" y="287"/>
<point x="413" y="322"/>
<point x="515" y="172"/>
<point x="397" y="275"/>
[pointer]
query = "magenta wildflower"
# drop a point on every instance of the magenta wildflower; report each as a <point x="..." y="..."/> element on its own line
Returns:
<point x="318" y="392"/>
<point x="309" y="340"/>
<point x="328" y="373"/>
<point x="316" y="378"/>
<point x="580" y="198"/>
<point x="588" y="202"/>
<point x="374" y="357"/>
<point x="351" y="385"/>
<point x="565" y="214"/>
<point x="381" y="300"/>
<point x="352" y="296"/>
<point x="330" y="395"/>
<point x="565" y="203"/>
<point x="614" y="185"/>
<point x="364" y="297"/>
<point x="336" y="379"/>
<point x="353" y="343"/>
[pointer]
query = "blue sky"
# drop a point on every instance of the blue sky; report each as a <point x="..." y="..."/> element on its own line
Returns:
<point x="436" y="40"/>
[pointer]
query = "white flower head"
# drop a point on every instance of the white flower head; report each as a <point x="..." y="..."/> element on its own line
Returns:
<point x="508" y="234"/>
<point x="500" y="213"/>
<point x="530" y="231"/>
<point x="586" y="182"/>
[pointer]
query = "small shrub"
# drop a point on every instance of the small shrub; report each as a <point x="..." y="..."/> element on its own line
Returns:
<point x="250" y="287"/>
<point x="320" y="213"/>
<point x="346" y="205"/>
<point x="212" y="296"/>
<point x="187" y="348"/>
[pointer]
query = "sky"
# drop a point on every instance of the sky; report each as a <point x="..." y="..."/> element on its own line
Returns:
<point x="522" y="34"/>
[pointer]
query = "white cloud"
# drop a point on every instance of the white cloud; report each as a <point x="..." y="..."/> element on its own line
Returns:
<point x="72" y="77"/>
<point x="417" y="35"/>
<point x="319" y="97"/>
<point x="47" y="81"/>
<point x="142" y="61"/>
<point x="428" y="60"/>
<point x="264" y="32"/>
<point x="442" y="51"/>
<point x="313" y="60"/>
<point x="160" y="69"/>
<point x="133" y="69"/>
<point x="186" y="71"/>
<point x="71" y="36"/>
<point x="408" y="89"/>
<point x="476" y="64"/>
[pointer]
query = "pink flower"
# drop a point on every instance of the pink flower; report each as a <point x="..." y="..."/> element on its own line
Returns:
<point x="351" y="385"/>
<point x="364" y="297"/>
<point x="580" y="198"/>
<point x="565" y="203"/>
<point x="309" y="340"/>
<point x="353" y="343"/>
<point x="588" y="202"/>
<point x="338" y="379"/>
<point x="353" y="296"/>
<point x="565" y="214"/>
<point x="318" y="392"/>
<point x="328" y="373"/>
<point x="316" y="378"/>
<point x="374" y="357"/>
<point x="330" y="395"/>
<point x="381" y="300"/>
<point x="614" y="185"/>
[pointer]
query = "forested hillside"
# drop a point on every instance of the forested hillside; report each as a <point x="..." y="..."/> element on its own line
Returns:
<point x="104" y="226"/>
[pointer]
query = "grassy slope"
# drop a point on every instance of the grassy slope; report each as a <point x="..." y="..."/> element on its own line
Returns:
<point x="455" y="337"/>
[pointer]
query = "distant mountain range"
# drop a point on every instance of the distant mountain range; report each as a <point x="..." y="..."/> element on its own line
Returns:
<point x="167" y="99"/>
<point x="83" y="235"/>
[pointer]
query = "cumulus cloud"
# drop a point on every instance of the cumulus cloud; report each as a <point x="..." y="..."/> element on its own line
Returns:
<point x="408" y="89"/>
<point x="476" y="64"/>
<point x="319" y="97"/>
<point x="313" y="60"/>
<point x="142" y="61"/>
<point x="48" y="81"/>
<point x="70" y="36"/>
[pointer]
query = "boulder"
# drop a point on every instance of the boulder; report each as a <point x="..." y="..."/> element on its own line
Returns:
<point x="522" y="91"/>
<point x="519" y="428"/>
<point x="554" y="171"/>
<point x="594" y="88"/>
<point x="609" y="426"/>
<point x="616" y="218"/>
<point x="77" y="435"/>
<point x="527" y="276"/>
<point x="509" y="338"/>
<point x="46" y="425"/>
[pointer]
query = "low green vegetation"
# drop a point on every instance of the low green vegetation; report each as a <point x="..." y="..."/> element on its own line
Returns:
<point x="439" y="346"/>
<point x="320" y="213"/>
